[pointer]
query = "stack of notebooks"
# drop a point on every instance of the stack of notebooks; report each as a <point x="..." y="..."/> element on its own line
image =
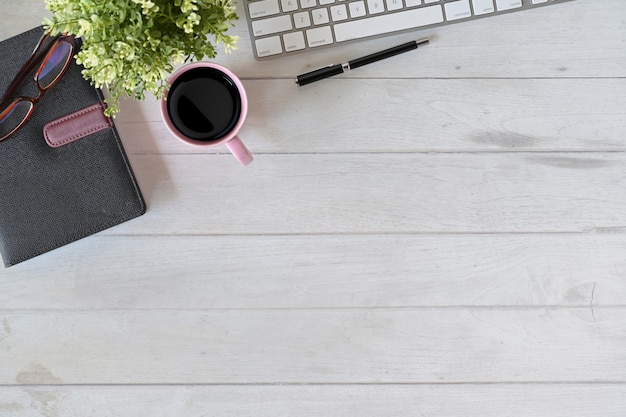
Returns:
<point x="56" y="192"/>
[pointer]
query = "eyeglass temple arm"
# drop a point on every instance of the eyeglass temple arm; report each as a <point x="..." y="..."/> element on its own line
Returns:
<point x="27" y="67"/>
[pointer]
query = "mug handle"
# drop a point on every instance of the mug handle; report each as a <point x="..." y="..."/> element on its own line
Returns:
<point x="239" y="150"/>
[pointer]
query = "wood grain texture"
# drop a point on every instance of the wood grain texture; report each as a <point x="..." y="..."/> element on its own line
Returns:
<point x="431" y="345"/>
<point x="381" y="193"/>
<point x="411" y="115"/>
<point x="520" y="400"/>
<point x="439" y="234"/>
<point x="260" y="272"/>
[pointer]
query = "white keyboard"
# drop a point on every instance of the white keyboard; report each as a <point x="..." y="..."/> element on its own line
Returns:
<point x="282" y="27"/>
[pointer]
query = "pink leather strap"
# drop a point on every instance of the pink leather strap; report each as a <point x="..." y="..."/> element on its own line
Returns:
<point x="76" y="125"/>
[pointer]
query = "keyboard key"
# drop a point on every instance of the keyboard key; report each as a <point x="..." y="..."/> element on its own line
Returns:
<point x="319" y="36"/>
<point x="375" y="6"/>
<point x="338" y="12"/>
<point x="483" y="7"/>
<point x="294" y="41"/>
<point x="268" y="46"/>
<point x="357" y="9"/>
<point x="378" y="25"/>
<point x="271" y="25"/>
<point x="457" y="10"/>
<point x="320" y="16"/>
<point x="302" y="20"/>
<point x="263" y="8"/>
<point x="307" y="4"/>
<point x="289" y="5"/>
<point x="413" y="3"/>
<point x="394" y="5"/>
<point x="508" y="4"/>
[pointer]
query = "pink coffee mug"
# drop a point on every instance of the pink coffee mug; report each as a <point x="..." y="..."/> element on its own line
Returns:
<point x="206" y="105"/>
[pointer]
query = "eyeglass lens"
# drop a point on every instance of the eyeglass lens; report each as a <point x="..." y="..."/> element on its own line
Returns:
<point x="49" y="72"/>
<point x="13" y="116"/>
<point x="54" y="64"/>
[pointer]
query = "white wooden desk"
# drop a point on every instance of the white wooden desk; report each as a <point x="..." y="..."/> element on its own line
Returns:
<point x="438" y="234"/>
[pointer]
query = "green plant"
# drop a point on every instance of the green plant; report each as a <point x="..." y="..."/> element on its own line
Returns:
<point x="131" y="46"/>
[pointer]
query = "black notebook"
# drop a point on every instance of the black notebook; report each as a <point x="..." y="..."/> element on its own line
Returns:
<point x="64" y="175"/>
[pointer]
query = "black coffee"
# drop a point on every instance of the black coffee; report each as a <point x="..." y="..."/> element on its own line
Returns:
<point x="204" y="104"/>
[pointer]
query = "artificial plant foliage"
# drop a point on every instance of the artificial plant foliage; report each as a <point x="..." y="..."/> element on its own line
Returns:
<point x="131" y="46"/>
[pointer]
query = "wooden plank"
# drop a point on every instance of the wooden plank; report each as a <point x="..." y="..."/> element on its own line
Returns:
<point x="380" y="193"/>
<point x="556" y="41"/>
<point x="243" y="272"/>
<point x="525" y="400"/>
<point x="20" y="17"/>
<point x="431" y="345"/>
<point x="340" y="115"/>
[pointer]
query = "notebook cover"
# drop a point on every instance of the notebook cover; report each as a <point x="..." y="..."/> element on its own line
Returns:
<point x="51" y="196"/>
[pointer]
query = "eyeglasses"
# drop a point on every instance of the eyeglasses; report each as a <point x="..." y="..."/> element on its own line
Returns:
<point x="54" y="58"/>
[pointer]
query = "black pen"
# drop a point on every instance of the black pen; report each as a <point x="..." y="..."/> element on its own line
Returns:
<point x="329" y="71"/>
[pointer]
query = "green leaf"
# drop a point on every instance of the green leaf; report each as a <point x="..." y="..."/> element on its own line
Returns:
<point x="130" y="46"/>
